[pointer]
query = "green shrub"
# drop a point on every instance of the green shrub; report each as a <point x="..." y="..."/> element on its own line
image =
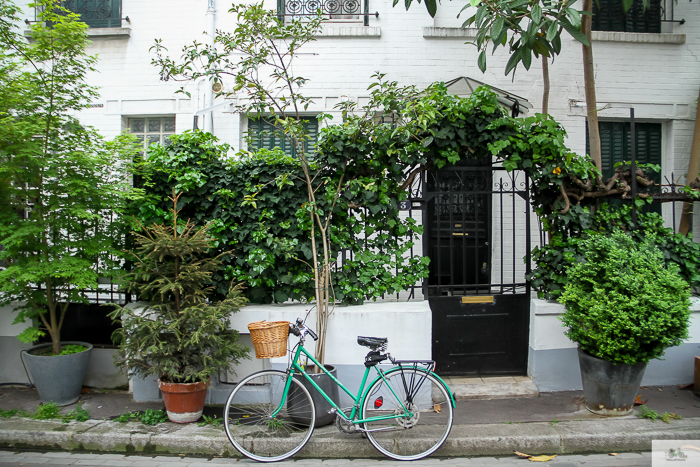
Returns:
<point x="623" y="304"/>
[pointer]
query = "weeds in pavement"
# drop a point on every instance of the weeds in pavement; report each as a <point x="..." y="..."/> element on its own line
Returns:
<point x="47" y="411"/>
<point x="213" y="421"/>
<point x="8" y="413"/>
<point x="653" y="415"/>
<point x="78" y="414"/>
<point x="149" y="417"/>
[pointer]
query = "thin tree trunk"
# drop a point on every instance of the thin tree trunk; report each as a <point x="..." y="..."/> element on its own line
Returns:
<point x="545" y="86"/>
<point x="693" y="170"/>
<point x="589" y="86"/>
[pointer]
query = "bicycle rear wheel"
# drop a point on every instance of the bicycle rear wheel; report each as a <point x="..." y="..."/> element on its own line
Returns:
<point x="427" y="423"/>
<point x="249" y="423"/>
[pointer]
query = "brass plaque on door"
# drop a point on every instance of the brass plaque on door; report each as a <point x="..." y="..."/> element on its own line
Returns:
<point x="478" y="299"/>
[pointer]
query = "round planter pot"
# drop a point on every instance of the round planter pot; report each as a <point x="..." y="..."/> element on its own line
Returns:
<point x="58" y="378"/>
<point x="324" y="416"/>
<point x="609" y="388"/>
<point x="184" y="402"/>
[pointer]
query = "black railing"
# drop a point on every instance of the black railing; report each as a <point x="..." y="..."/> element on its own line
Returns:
<point x="608" y="15"/>
<point x="97" y="13"/>
<point x="342" y="10"/>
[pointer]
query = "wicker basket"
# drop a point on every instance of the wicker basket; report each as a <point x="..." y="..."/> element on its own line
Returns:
<point x="269" y="338"/>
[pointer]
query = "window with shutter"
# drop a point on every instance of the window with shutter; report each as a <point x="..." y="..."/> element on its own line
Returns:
<point x="264" y="134"/>
<point x="609" y="16"/>
<point x="615" y="147"/>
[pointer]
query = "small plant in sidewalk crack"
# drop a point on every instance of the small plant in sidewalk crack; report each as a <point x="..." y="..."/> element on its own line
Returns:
<point x="154" y="417"/>
<point x="213" y="421"/>
<point x="653" y="415"/>
<point x="46" y="411"/>
<point x="8" y="413"/>
<point x="78" y="414"/>
<point x="148" y="417"/>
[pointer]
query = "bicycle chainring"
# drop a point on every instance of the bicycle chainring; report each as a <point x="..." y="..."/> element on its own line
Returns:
<point x="344" y="426"/>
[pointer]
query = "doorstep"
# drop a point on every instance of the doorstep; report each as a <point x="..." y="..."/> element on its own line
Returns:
<point x="497" y="387"/>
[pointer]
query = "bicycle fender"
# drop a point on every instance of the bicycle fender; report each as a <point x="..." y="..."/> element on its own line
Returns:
<point x="396" y="368"/>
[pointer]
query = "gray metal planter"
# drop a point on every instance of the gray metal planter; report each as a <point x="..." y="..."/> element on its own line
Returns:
<point x="324" y="415"/>
<point x="59" y="379"/>
<point x="609" y="388"/>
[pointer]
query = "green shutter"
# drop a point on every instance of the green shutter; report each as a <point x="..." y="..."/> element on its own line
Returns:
<point x="264" y="134"/>
<point x="615" y="147"/>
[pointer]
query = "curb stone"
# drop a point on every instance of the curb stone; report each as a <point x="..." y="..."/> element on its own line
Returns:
<point x="567" y="437"/>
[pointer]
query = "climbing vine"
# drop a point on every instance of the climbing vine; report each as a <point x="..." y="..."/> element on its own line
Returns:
<point x="432" y="128"/>
<point x="380" y="149"/>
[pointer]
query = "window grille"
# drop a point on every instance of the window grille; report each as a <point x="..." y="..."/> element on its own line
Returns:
<point x="609" y="16"/>
<point x="97" y="13"/>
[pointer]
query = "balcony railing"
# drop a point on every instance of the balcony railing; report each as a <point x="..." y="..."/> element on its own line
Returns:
<point x="609" y="16"/>
<point x="340" y="10"/>
<point x="97" y="13"/>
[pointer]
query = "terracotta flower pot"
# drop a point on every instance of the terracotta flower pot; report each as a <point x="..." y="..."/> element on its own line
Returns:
<point x="184" y="402"/>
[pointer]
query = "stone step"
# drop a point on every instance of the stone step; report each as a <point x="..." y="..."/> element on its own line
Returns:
<point x="497" y="387"/>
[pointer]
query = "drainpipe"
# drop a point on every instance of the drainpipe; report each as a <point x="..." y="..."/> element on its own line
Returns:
<point x="209" y="93"/>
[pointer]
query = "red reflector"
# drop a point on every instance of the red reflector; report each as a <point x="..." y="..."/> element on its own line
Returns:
<point x="378" y="402"/>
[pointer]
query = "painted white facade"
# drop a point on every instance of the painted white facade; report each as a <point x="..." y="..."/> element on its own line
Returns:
<point x="657" y="74"/>
<point x="553" y="358"/>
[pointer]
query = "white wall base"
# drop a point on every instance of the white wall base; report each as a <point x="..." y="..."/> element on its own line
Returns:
<point x="553" y="360"/>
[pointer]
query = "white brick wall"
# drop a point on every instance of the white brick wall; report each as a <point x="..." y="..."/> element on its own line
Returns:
<point x="658" y="79"/>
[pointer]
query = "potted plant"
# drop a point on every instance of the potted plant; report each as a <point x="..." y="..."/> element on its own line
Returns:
<point x="59" y="185"/>
<point x="624" y="307"/>
<point x="180" y="336"/>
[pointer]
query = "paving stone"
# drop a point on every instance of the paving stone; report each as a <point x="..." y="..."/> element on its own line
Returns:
<point x="35" y="459"/>
<point x="124" y="463"/>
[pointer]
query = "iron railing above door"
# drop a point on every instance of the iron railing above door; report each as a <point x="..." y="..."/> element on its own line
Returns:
<point x="334" y="10"/>
<point x="97" y="13"/>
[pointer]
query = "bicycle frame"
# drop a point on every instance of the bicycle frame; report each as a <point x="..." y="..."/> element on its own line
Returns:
<point x="357" y="399"/>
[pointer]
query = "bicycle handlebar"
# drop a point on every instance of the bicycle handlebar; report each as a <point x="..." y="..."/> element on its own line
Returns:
<point x="299" y="329"/>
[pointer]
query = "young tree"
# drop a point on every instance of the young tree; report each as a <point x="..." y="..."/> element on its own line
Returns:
<point x="258" y="57"/>
<point x="59" y="182"/>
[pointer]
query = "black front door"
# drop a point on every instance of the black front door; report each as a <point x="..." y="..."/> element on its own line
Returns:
<point x="477" y="224"/>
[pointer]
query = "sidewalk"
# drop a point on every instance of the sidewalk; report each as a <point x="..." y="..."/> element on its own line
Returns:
<point x="553" y="423"/>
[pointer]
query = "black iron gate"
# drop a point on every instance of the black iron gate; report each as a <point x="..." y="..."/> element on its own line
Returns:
<point x="477" y="233"/>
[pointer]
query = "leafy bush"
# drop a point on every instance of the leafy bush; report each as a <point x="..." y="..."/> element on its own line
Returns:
<point x="549" y="277"/>
<point x="257" y="205"/>
<point x="623" y="304"/>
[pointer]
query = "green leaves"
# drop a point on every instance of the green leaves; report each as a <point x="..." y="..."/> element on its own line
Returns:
<point x="62" y="181"/>
<point x="482" y="61"/>
<point x="613" y="310"/>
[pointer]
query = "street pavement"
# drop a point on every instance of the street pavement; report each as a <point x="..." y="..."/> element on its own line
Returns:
<point x="35" y="459"/>
<point x="553" y="423"/>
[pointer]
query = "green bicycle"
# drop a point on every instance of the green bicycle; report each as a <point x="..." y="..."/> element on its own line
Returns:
<point x="406" y="412"/>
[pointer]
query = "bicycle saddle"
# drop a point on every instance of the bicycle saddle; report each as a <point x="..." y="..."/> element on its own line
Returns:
<point x="372" y="342"/>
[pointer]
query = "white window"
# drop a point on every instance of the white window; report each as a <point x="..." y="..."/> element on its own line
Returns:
<point x="152" y="130"/>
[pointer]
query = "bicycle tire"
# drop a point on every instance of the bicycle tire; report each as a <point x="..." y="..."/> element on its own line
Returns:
<point x="413" y="438"/>
<point x="248" y="417"/>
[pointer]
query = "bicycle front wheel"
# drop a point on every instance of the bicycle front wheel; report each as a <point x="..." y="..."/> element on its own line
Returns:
<point x="253" y="429"/>
<point x="426" y="414"/>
